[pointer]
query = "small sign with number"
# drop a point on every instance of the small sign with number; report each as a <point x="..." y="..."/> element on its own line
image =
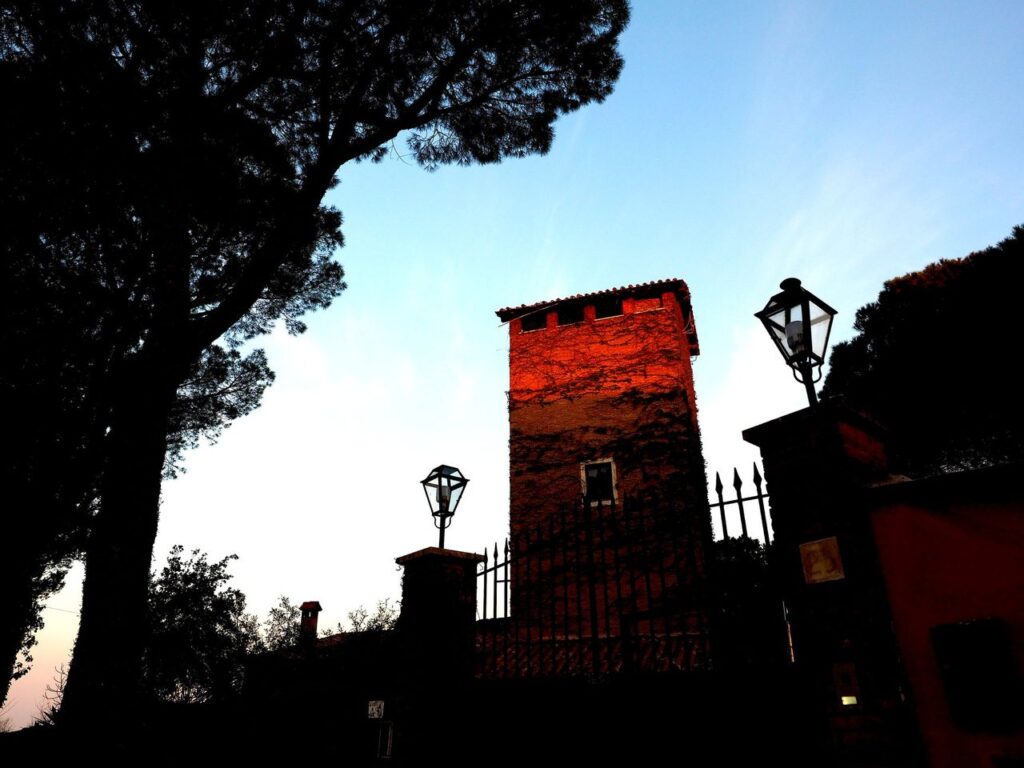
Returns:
<point x="376" y="710"/>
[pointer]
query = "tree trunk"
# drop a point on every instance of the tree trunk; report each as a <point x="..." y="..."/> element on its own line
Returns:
<point x="103" y="685"/>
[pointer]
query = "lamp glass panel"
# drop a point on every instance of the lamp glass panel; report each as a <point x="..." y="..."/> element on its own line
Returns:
<point x="456" y="494"/>
<point x="431" y="491"/>
<point x="779" y="334"/>
<point x="821" y="322"/>
<point x="777" y="319"/>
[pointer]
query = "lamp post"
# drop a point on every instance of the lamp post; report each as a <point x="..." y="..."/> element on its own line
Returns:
<point x="443" y="487"/>
<point x="799" y="324"/>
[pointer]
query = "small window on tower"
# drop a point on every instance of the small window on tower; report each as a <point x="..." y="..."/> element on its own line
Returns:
<point x="648" y="304"/>
<point x="607" y="306"/>
<point x="599" y="481"/>
<point x="568" y="314"/>
<point x="534" y="321"/>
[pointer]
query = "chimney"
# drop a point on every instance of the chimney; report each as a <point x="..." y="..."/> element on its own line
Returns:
<point x="307" y="629"/>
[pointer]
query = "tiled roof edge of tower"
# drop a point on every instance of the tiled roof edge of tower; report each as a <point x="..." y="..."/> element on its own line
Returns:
<point x="674" y="283"/>
<point x="507" y="313"/>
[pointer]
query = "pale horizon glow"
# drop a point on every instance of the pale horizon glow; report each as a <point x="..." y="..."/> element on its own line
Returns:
<point x="843" y="144"/>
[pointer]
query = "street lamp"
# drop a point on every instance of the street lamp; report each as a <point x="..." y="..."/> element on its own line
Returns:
<point x="443" y="487"/>
<point x="799" y="324"/>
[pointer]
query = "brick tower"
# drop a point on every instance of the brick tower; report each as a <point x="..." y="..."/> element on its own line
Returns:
<point x="603" y="418"/>
<point x="601" y="399"/>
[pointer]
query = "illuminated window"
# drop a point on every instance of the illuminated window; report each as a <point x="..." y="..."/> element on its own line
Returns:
<point x="598" y="479"/>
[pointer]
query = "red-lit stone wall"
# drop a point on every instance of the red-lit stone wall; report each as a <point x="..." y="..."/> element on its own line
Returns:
<point x="617" y="388"/>
<point x="645" y="348"/>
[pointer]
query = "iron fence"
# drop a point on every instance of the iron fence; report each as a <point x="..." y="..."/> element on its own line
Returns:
<point x="759" y="496"/>
<point x="593" y="590"/>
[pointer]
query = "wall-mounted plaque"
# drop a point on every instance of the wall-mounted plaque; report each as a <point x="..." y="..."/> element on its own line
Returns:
<point x="821" y="561"/>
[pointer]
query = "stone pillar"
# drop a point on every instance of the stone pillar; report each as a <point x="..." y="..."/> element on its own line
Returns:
<point x="436" y="634"/>
<point x="818" y="464"/>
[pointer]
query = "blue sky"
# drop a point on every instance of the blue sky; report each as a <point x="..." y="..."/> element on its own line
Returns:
<point x="842" y="143"/>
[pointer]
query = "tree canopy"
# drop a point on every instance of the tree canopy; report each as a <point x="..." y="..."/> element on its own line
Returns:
<point x="931" y="357"/>
<point x="383" y="618"/>
<point x="162" y="174"/>
<point x="281" y="627"/>
<point x="199" y="633"/>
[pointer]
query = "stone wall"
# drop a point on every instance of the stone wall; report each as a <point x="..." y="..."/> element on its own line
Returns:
<point x="618" y="388"/>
